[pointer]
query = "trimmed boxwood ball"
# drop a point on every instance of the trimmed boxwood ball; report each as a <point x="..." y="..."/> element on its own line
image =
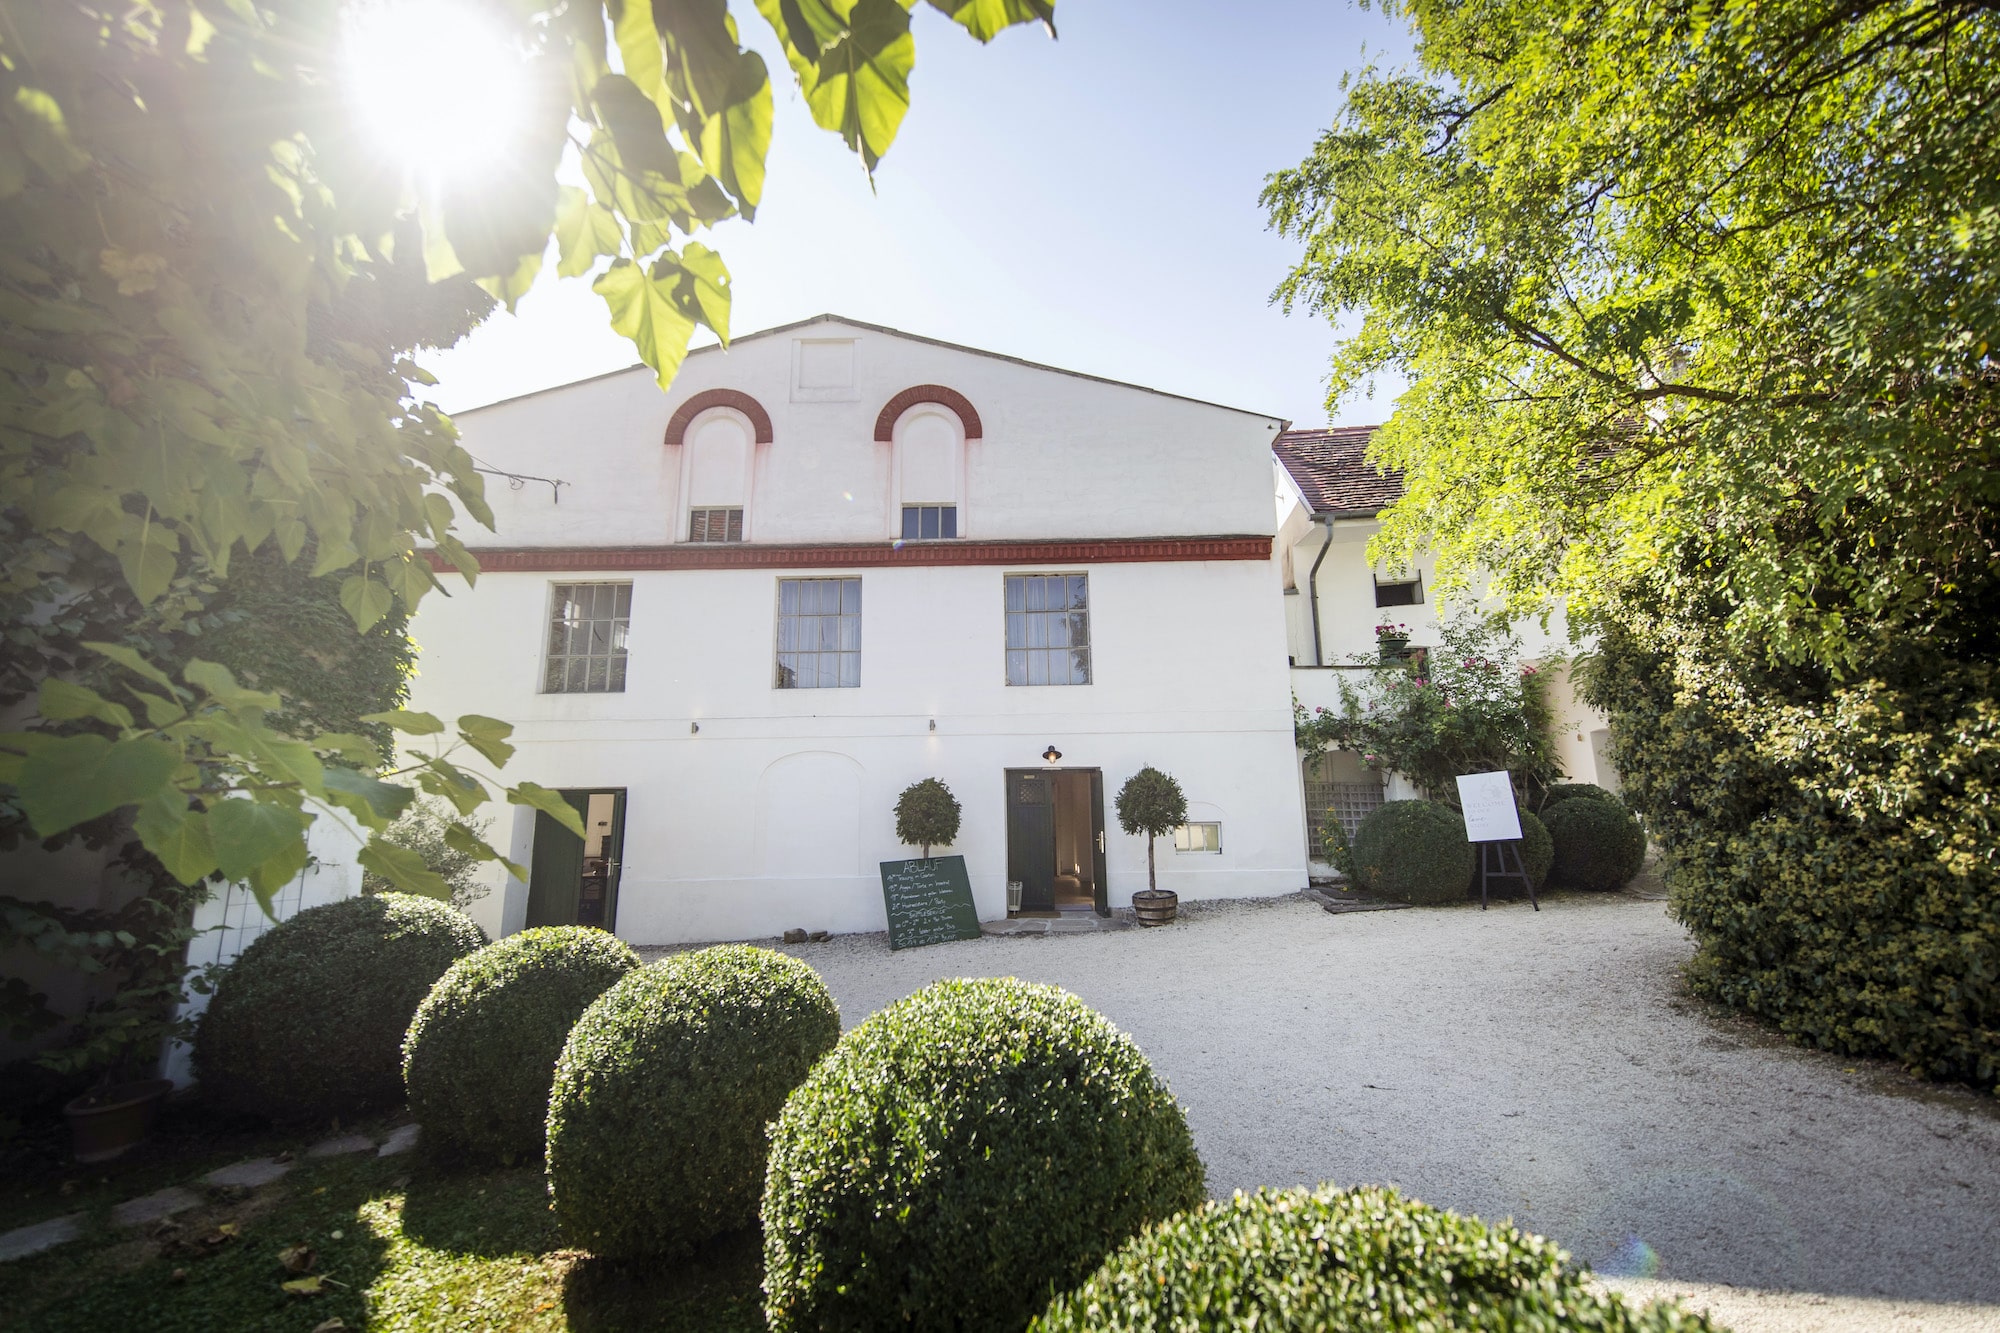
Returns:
<point x="481" y="1053"/>
<point x="664" y="1090"/>
<point x="962" y="1156"/>
<point x="1538" y="853"/>
<point x="1558" y="792"/>
<point x="1414" y="852"/>
<point x="1599" y="845"/>
<point x="1308" y="1261"/>
<point x="308" y="1022"/>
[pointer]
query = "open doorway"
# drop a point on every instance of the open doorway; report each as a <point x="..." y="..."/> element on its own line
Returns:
<point x="573" y="881"/>
<point x="1055" y="839"/>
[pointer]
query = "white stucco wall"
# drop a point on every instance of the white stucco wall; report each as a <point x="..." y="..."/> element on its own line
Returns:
<point x="777" y="812"/>
<point x="1061" y="455"/>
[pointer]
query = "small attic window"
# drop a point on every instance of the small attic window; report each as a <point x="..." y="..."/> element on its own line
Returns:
<point x="1401" y="593"/>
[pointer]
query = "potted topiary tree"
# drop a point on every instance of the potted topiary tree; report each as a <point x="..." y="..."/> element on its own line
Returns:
<point x="1152" y="804"/>
<point x="926" y="814"/>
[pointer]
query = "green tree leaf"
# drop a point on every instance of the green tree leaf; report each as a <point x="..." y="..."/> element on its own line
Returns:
<point x="64" y="701"/>
<point x="73" y="778"/>
<point x="365" y="600"/>
<point x="463" y="839"/>
<point x="367" y="796"/>
<point x="177" y="835"/>
<point x="247" y="833"/>
<point x="410" y="724"/>
<point x="488" y="735"/>
<point x="550" y="803"/>
<point x="131" y="661"/>
<point x="643" y="309"/>
<point x="404" y="869"/>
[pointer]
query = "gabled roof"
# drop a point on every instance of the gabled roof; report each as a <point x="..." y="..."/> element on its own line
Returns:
<point x="1332" y="475"/>
<point x="795" y="325"/>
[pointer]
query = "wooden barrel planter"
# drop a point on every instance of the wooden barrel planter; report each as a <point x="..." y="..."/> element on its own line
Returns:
<point x="111" y="1121"/>
<point x="1156" y="907"/>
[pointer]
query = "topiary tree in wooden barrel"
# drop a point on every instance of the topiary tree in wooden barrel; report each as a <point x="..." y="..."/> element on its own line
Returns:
<point x="926" y="814"/>
<point x="1152" y="804"/>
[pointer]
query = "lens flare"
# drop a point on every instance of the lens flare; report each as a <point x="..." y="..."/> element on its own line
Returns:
<point x="1632" y="1258"/>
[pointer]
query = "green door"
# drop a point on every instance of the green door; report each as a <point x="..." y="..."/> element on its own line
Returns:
<point x="573" y="881"/>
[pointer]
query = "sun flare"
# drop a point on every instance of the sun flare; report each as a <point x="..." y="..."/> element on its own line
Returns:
<point x="437" y="83"/>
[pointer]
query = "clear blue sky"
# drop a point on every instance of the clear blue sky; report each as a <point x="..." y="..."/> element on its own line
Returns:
<point x="1089" y="202"/>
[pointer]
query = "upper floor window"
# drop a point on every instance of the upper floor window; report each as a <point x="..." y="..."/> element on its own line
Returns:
<point x="587" y="627"/>
<point x="929" y="522"/>
<point x="1048" y="629"/>
<point x="1405" y="592"/>
<point x="715" y="525"/>
<point x="819" y="634"/>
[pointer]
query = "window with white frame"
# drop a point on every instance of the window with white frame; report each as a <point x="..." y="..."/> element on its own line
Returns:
<point x="1048" y="629"/>
<point x="1199" y="836"/>
<point x="588" y="623"/>
<point x="715" y="525"/>
<point x="929" y="522"/>
<point x="819" y="634"/>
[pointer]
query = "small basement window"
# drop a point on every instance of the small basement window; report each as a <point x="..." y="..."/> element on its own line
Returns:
<point x="1405" y="593"/>
<point x="1202" y="836"/>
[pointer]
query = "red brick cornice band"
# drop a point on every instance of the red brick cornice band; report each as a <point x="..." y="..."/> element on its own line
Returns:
<point x="885" y="424"/>
<point x="702" y="555"/>
<point x="760" y="420"/>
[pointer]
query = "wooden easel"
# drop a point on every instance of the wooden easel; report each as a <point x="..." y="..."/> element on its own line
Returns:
<point x="1493" y="866"/>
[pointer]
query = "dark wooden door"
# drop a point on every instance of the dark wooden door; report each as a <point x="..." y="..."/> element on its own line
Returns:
<point x="573" y="881"/>
<point x="1098" y="875"/>
<point x="1031" y="837"/>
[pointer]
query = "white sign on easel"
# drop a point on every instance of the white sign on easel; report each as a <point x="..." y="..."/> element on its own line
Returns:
<point x="1493" y="824"/>
<point x="1488" y="802"/>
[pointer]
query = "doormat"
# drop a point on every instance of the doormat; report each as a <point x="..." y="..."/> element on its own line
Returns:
<point x="1341" y="903"/>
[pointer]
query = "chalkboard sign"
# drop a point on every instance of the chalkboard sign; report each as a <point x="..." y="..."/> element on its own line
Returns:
<point x="929" y="902"/>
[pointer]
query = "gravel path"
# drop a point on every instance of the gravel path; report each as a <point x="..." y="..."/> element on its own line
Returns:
<point x="1545" y="1067"/>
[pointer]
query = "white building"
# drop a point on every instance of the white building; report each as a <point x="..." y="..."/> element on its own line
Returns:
<point x="734" y="622"/>
<point x="1328" y="501"/>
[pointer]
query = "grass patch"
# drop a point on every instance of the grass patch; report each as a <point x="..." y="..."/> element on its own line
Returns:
<point x="401" y="1244"/>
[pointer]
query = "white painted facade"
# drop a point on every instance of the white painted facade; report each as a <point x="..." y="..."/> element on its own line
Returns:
<point x="1346" y="587"/>
<point x="751" y="809"/>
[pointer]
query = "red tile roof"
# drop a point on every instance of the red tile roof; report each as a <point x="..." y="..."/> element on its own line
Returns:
<point x="1330" y="472"/>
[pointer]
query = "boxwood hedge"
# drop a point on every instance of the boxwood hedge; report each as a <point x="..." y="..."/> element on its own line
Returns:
<point x="1599" y="846"/>
<point x="308" y="1022"/>
<point x="662" y="1094"/>
<point x="962" y="1156"/>
<point x="1313" y="1261"/>
<point x="481" y="1053"/>
<point x="1414" y="852"/>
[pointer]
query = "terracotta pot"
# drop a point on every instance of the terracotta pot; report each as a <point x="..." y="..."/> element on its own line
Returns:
<point x="108" y="1122"/>
<point x="1156" y="907"/>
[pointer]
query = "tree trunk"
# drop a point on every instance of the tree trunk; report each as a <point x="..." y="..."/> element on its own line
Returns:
<point x="1152" y="881"/>
<point x="927" y="851"/>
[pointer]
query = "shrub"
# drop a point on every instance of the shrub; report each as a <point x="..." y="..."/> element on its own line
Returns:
<point x="1538" y="853"/>
<point x="481" y="1052"/>
<point x="656" y="1131"/>
<point x="963" y="1155"/>
<point x="425" y="828"/>
<point x="1557" y="792"/>
<point x="1829" y="845"/>
<point x="926" y="814"/>
<point x="1598" y="845"/>
<point x="1414" y="852"/>
<point x="309" y="1021"/>
<point x="1304" y="1261"/>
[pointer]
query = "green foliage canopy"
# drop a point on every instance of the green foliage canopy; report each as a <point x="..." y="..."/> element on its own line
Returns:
<point x="208" y="289"/>
<point x="1681" y="291"/>
<point x="927" y="813"/>
<point x="1151" y="804"/>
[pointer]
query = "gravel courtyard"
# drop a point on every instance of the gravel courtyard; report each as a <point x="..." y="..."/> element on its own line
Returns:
<point x="1545" y="1067"/>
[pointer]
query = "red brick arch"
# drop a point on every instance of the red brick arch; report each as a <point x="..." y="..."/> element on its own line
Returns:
<point x="968" y="416"/>
<point x="760" y="420"/>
